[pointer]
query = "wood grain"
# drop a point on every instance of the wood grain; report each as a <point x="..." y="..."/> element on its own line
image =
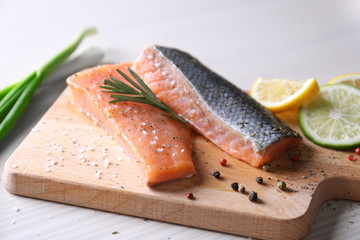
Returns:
<point x="51" y="164"/>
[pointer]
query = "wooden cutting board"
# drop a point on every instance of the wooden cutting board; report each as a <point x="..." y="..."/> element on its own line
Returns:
<point x="64" y="159"/>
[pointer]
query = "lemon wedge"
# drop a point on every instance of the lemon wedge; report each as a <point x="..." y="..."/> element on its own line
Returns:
<point x="280" y="95"/>
<point x="352" y="79"/>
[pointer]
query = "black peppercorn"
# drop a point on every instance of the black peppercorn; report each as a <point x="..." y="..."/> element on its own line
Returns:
<point x="259" y="180"/>
<point x="235" y="186"/>
<point x="253" y="196"/>
<point x="216" y="174"/>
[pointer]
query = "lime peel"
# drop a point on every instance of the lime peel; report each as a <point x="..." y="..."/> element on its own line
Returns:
<point x="332" y="118"/>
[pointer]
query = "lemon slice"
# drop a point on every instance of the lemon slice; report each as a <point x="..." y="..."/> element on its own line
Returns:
<point x="352" y="79"/>
<point x="280" y="95"/>
<point x="332" y="118"/>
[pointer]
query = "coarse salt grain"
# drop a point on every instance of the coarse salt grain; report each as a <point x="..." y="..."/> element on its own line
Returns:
<point x="48" y="158"/>
<point x="81" y="150"/>
<point x="14" y="166"/>
<point x="159" y="149"/>
<point x="80" y="156"/>
<point x="52" y="162"/>
<point x="46" y="152"/>
<point x="93" y="164"/>
<point x="47" y="169"/>
<point x="59" y="148"/>
<point x="173" y="154"/>
<point x="90" y="148"/>
<point x="35" y="129"/>
<point x="74" y="140"/>
<point x="16" y="209"/>
<point x="64" y="132"/>
<point x="182" y="150"/>
<point x="92" y="140"/>
<point x="61" y="158"/>
<point x="12" y="222"/>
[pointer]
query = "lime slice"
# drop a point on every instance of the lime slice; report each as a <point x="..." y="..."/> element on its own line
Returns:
<point x="332" y="118"/>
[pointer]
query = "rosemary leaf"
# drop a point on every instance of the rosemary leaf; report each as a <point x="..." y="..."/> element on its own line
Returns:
<point x="140" y="92"/>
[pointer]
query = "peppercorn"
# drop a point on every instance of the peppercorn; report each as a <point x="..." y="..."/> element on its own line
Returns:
<point x="295" y="158"/>
<point x="216" y="174"/>
<point x="235" y="186"/>
<point x="357" y="151"/>
<point x="266" y="167"/>
<point x="242" y="189"/>
<point x="282" y="185"/>
<point x="253" y="196"/>
<point x="351" y="157"/>
<point x="190" y="196"/>
<point x="223" y="162"/>
<point x="259" y="180"/>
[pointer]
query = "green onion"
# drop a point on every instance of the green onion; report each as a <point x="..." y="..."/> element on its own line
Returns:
<point x="15" y="98"/>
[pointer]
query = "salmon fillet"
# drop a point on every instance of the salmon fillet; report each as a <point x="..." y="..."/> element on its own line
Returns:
<point x="216" y="108"/>
<point x="161" y="146"/>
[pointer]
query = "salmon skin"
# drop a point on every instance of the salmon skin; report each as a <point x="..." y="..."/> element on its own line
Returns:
<point x="161" y="146"/>
<point x="216" y="108"/>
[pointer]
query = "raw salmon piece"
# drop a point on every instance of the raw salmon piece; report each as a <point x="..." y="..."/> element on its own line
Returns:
<point x="160" y="145"/>
<point x="216" y="108"/>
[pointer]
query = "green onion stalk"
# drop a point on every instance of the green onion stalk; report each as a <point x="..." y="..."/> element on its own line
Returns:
<point x="16" y="97"/>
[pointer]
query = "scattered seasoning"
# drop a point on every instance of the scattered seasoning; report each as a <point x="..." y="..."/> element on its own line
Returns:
<point x="295" y="158"/>
<point x="216" y="174"/>
<point x="253" y="196"/>
<point x="242" y="188"/>
<point x="223" y="162"/>
<point x="282" y="185"/>
<point x="351" y="157"/>
<point x="115" y="232"/>
<point x="190" y="196"/>
<point x="357" y="151"/>
<point x="259" y="180"/>
<point x="266" y="167"/>
<point x="235" y="186"/>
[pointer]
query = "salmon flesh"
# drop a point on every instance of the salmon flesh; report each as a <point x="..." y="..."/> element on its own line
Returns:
<point x="161" y="146"/>
<point x="216" y="108"/>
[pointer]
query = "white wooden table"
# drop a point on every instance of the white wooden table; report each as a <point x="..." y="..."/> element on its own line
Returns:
<point x="240" y="40"/>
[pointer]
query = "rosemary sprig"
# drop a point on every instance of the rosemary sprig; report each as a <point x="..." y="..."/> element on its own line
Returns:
<point x="140" y="93"/>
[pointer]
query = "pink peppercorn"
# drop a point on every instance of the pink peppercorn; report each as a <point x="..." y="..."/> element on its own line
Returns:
<point x="351" y="157"/>
<point x="223" y="162"/>
<point x="357" y="151"/>
<point x="295" y="158"/>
